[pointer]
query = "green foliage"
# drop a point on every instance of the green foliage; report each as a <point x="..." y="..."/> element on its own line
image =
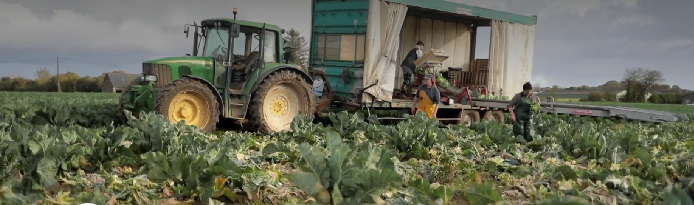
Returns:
<point x="596" y="96"/>
<point x="71" y="158"/>
<point x="667" y="98"/>
<point x="609" y="96"/>
<point x="346" y="176"/>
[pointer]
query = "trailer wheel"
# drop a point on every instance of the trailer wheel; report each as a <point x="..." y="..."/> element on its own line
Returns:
<point x="496" y="116"/>
<point x="469" y="117"/>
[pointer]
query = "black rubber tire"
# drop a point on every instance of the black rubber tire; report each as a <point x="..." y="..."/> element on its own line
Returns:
<point x="473" y="114"/>
<point x="291" y="78"/>
<point x="499" y="116"/>
<point x="496" y="116"/>
<point x="161" y="104"/>
<point x="121" y="104"/>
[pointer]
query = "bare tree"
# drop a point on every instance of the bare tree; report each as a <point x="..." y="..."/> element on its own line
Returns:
<point x="639" y="82"/>
<point x="651" y="78"/>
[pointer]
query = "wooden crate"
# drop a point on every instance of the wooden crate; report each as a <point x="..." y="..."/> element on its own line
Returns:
<point x="476" y="77"/>
<point x="482" y="64"/>
<point x="480" y="69"/>
<point x="434" y="55"/>
<point x="461" y="77"/>
<point x="480" y="78"/>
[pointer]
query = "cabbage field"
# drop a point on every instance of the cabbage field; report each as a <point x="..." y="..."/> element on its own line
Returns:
<point x="68" y="148"/>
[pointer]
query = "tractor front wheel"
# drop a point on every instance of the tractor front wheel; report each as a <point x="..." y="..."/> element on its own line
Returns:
<point x="191" y="101"/>
<point x="280" y="97"/>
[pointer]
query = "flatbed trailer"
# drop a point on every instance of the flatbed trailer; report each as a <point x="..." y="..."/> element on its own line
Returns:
<point x="358" y="63"/>
<point x="495" y="109"/>
<point x="616" y="112"/>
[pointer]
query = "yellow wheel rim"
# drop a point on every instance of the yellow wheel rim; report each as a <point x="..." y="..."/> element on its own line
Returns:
<point x="467" y="120"/>
<point x="281" y="104"/>
<point x="191" y="107"/>
<point x="490" y="116"/>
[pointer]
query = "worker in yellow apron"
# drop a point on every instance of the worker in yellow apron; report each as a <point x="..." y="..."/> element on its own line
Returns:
<point x="427" y="98"/>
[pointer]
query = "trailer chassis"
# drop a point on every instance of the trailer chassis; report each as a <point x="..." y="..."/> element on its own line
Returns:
<point x="464" y="108"/>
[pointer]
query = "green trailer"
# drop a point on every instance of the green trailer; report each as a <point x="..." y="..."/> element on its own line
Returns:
<point x="359" y="44"/>
<point x="237" y="69"/>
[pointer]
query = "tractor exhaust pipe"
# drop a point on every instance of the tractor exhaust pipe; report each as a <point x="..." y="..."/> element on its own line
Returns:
<point x="195" y="39"/>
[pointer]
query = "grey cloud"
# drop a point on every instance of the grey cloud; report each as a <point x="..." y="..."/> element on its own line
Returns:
<point x="576" y="40"/>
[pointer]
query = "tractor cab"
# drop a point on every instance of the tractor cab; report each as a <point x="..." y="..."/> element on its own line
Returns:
<point x="234" y="66"/>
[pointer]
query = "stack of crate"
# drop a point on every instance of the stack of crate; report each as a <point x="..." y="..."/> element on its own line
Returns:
<point x="474" y="78"/>
<point x="480" y="73"/>
<point x="462" y="78"/>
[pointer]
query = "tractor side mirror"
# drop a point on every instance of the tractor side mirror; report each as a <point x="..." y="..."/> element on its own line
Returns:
<point x="235" y="30"/>
<point x="186" y="30"/>
<point x="283" y="31"/>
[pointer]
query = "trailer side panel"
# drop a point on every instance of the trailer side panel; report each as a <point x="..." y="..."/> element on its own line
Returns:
<point x="338" y="44"/>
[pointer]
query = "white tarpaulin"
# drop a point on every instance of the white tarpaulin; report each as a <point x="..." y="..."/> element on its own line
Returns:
<point x="510" y="56"/>
<point x="383" y="41"/>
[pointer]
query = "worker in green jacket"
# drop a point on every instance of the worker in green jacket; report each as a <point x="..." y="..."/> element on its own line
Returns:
<point x="521" y="112"/>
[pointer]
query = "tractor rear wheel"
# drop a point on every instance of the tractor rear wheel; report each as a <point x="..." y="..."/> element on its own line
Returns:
<point x="279" y="98"/>
<point x="191" y="101"/>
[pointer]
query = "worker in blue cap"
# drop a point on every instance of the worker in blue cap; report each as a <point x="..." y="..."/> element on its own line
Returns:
<point x="427" y="98"/>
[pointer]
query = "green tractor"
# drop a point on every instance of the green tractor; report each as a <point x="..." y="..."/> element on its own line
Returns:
<point x="240" y="74"/>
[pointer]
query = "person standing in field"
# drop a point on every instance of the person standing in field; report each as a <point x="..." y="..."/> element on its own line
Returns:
<point x="427" y="98"/>
<point x="520" y="109"/>
<point x="408" y="67"/>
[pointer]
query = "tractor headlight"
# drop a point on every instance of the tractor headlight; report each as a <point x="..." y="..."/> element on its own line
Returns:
<point x="146" y="77"/>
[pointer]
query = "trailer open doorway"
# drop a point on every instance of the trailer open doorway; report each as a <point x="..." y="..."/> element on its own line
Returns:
<point x="451" y="33"/>
<point x="451" y="28"/>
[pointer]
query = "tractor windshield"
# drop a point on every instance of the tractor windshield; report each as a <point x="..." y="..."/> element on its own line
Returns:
<point x="216" y="45"/>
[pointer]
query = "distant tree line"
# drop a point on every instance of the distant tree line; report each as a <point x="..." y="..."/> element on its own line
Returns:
<point x="47" y="82"/>
<point x="638" y="83"/>
<point x="660" y="98"/>
<point x="597" y="96"/>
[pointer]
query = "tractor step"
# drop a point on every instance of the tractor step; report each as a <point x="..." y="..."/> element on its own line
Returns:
<point x="235" y="91"/>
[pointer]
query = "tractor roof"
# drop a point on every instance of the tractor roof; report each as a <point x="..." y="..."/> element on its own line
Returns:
<point x="246" y="23"/>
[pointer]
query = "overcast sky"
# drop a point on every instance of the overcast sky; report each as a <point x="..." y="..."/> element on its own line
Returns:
<point x="578" y="42"/>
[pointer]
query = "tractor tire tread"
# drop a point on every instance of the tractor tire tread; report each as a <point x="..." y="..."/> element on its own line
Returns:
<point x="169" y="91"/>
<point x="255" y="108"/>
